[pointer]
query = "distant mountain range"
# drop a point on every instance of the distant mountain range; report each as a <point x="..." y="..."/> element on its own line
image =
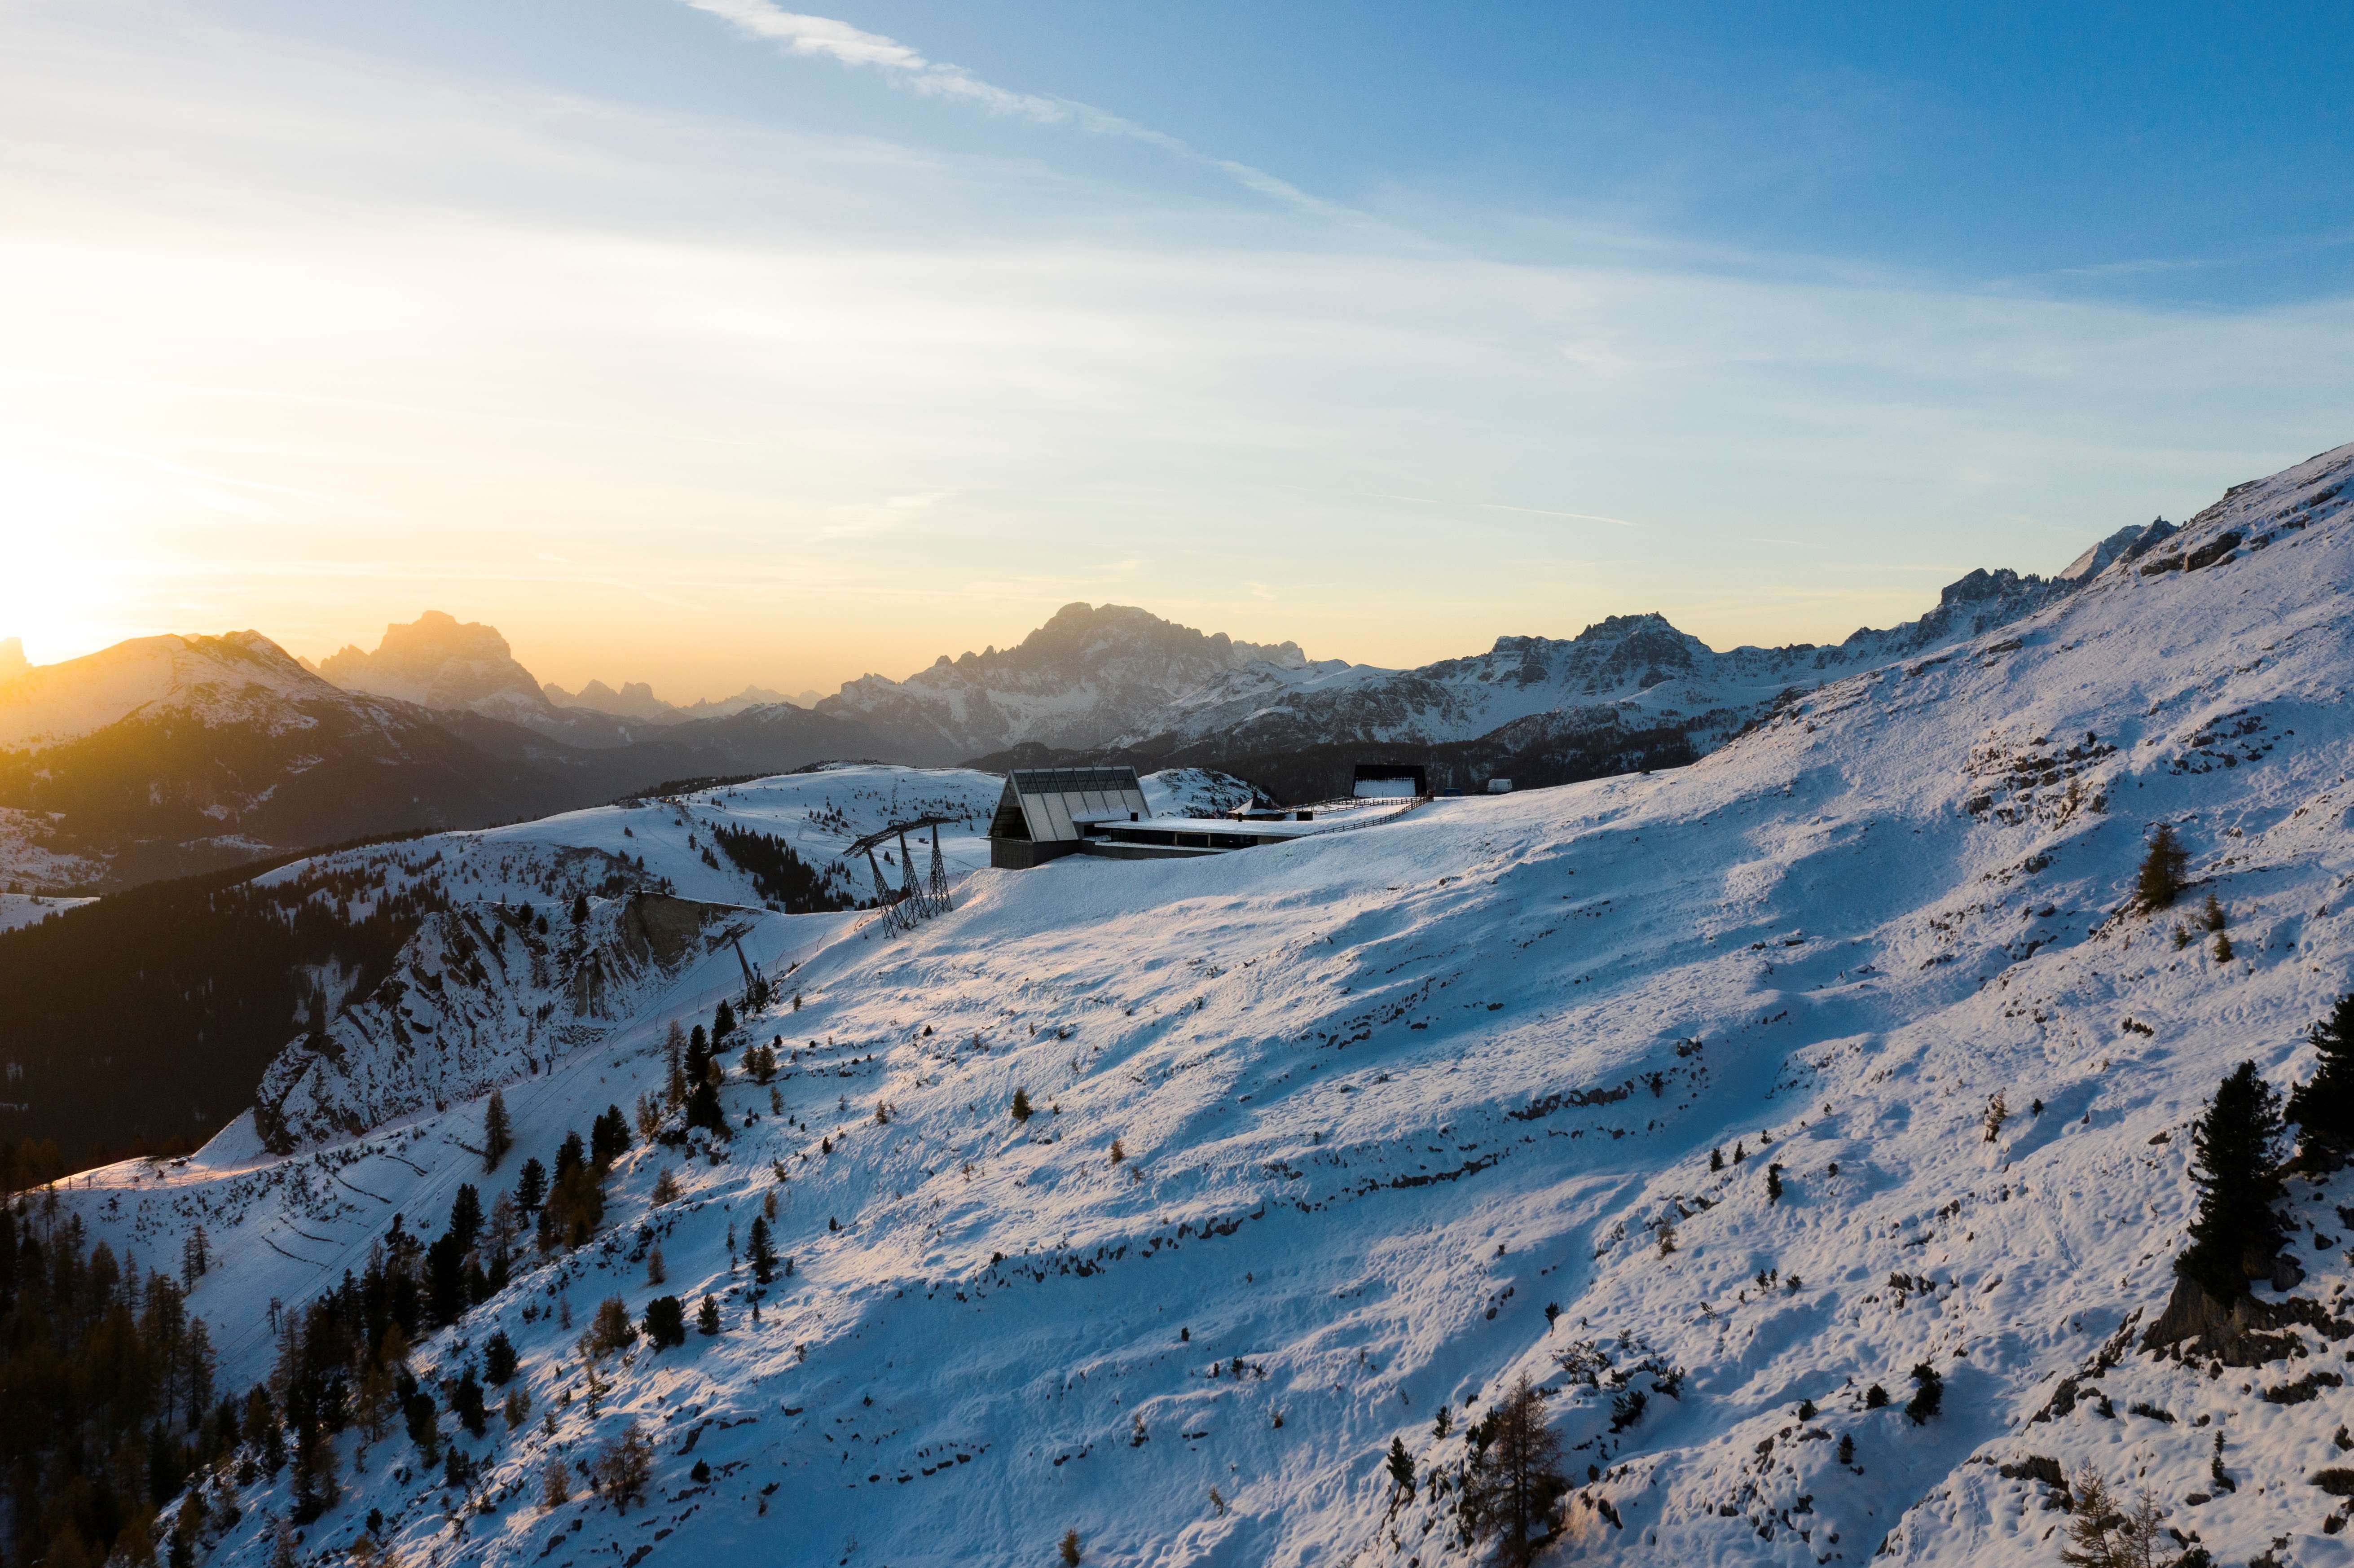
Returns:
<point x="171" y="755"/>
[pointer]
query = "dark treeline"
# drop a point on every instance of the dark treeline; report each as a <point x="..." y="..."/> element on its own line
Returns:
<point x="781" y="877"/>
<point x="106" y="1394"/>
<point x="108" y="1409"/>
<point x="204" y="980"/>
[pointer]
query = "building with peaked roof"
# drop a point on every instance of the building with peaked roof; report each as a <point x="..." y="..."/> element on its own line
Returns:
<point x="1045" y="812"/>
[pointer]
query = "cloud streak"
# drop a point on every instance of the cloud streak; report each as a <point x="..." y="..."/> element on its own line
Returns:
<point x="805" y="37"/>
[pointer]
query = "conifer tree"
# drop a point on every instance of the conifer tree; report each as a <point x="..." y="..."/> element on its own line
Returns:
<point x="674" y="1055"/>
<point x="2159" y="883"/>
<point x="497" y="1135"/>
<point x="1022" y="1111"/>
<point x="1401" y="1466"/>
<point x="722" y="1021"/>
<point x="2235" y="1156"/>
<point x="1515" y="1476"/>
<point x="763" y="1255"/>
<point x="707" y="1316"/>
<point x="2323" y="1106"/>
<point x="703" y="1108"/>
<point x="579" y="907"/>
<point x="531" y="1185"/>
<point x="665" y="1322"/>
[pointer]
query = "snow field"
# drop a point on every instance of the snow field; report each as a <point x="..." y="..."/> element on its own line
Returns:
<point x="1385" y="1096"/>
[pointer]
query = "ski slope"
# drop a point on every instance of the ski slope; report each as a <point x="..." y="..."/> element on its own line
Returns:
<point x="1386" y="1098"/>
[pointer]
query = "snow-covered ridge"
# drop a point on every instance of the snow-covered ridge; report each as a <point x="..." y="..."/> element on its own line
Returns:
<point x="238" y="676"/>
<point x="1384" y="1100"/>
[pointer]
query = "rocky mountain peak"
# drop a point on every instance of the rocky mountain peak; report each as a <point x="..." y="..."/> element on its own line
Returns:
<point x="439" y="661"/>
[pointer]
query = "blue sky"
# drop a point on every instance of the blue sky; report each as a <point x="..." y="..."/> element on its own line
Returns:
<point x="707" y="342"/>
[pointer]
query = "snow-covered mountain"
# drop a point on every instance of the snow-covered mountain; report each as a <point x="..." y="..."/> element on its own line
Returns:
<point x="1086" y="677"/>
<point x="1635" y="671"/>
<point x="171" y="754"/>
<point x="1672" y="1092"/>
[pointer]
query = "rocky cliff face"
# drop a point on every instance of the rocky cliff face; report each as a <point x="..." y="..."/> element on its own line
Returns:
<point x="439" y="661"/>
<point x="479" y="997"/>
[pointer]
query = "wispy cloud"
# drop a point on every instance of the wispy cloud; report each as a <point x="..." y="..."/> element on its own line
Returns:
<point x="827" y="37"/>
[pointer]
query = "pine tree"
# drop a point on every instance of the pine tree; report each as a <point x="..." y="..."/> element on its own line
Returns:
<point x="1071" y="1554"/>
<point x="2323" y="1106"/>
<point x="707" y="1316"/>
<point x="497" y="1135"/>
<point x="625" y="1467"/>
<point x="556" y="1484"/>
<point x="1515" y="1478"/>
<point x="764" y="1257"/>
<point x="579" y="907"/>
<point x="674" y="1055"/>
<point x="531" y="1185"/>
<point x="2159" y="883"/>
<point x="1774" y="1183"/>
<point x="499" y="1359"/>
<point x="1929" y="1395"/>
<point x="722" y="1021"/>
<point x="1022" y="1111"/>
<point x="665" y="1321"/>
<point x="2235" y="1156"/>
<point x="702" y="1108"/>
<point x="1401" y="1466"/>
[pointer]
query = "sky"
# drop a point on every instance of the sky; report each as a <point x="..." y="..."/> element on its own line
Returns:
<point x="707" y="342"/>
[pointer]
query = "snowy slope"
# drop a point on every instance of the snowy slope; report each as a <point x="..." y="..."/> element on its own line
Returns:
<point x="31" y="908"/>
<point x="242" y="677"/>
<point x="1387" y="1095"/>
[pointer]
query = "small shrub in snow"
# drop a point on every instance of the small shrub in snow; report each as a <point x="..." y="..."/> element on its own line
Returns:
<point x="1998" y="1111"/>
<point x="1022" y="1111"/>
<point x="1847" y="1448"/>
<point x="1071" y="1553"/>
<point x="1119" y="1151"/>
<point x="655" y="1272"/>
<point x="1774" y="1183"/>
<point x="2223" y="950"/>
<point x="1876" y="1397"/>
<point x="517" y="1409"/>
<point x="1667" y="1238"/>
